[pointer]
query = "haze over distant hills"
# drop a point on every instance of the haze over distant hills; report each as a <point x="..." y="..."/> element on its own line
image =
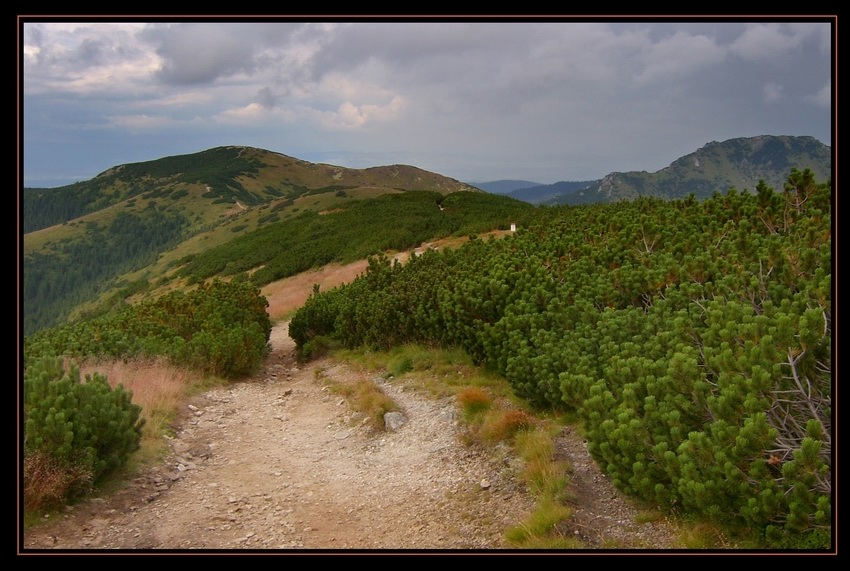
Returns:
<point x="532" y="192"/>
<point x="717" y="166"/>
<point x="505" y="186"/>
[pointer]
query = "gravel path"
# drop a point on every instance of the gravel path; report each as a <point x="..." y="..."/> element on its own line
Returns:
<point x="279" y="463"/>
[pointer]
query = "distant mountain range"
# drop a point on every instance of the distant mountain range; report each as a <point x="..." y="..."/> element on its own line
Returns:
<point x="505" y="186"/>
<point x="738" y="163"/>
<point x="533" y="192"/>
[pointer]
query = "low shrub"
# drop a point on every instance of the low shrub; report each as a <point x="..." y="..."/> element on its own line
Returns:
<point x="85" y="429"/>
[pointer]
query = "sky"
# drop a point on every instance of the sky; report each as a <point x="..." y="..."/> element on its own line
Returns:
<point x="478" y="100"/>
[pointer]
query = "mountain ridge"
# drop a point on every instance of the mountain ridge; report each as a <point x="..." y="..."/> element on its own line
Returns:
<point x="133" y="226"/>
<point x="226" y="174"/>
<point x="717" y="166"/>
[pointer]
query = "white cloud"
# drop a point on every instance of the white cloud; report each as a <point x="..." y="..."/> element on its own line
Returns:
<point x="255" y="114"/>
<point x="181" y="99"/>
<point x="760" y="42"/>
<point x="350" y="116"/>
<point x="250" y="112"/>
<point x="348" y="87"/>
<point x="85" y="58"/>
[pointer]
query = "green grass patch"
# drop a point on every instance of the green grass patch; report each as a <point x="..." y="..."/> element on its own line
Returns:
<point x="540" y="529"/>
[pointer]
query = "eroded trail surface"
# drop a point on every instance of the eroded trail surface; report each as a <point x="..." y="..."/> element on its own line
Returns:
<point x="276" y="463"/>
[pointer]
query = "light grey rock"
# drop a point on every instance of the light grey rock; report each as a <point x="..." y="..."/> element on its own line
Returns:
<point x="394" y="420"/>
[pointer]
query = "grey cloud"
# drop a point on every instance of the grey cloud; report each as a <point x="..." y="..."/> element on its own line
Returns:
<point x="78" y="50"/>
<point x="198" y="53"/>
<point x="772" y="41"/>
<point x="430" y="46"/>
<point x="90" y="52"/>
<point x="266" y="98"/>
<point x="33" y="35"/>
<point x="202" y="53"/>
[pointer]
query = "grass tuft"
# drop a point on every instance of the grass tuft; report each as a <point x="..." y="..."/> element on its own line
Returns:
<point x="366" y="399"/>
<point x="540" y="529"/>
<point x="474" y="401"/>
<point x="503" y="424"/>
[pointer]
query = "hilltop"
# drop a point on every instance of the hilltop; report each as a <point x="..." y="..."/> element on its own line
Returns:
<point x="130" y="229"/>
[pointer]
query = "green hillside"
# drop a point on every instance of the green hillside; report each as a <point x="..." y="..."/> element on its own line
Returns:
<point x="224" y="176"/>
<point x="117" y="233"/>
<point x="739" y="163"/>
<point x="353" y="232"/>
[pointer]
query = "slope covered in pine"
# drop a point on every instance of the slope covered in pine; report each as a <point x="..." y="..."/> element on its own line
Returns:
<point x="693" y="340"/>
<point x="117" y="234"/>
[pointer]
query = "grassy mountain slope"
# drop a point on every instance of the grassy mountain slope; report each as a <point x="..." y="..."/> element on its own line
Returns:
<point x="123" y="229"/>
<point x="717" y="166"/>
<point x="221" y="176"/>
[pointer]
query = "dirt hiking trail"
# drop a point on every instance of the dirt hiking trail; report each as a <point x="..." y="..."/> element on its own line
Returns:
<point x="278" y="462"/>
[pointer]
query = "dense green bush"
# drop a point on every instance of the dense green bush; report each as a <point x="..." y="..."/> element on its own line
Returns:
<point x="693" y="339"/>
<point x="83" y="424"/>
<point x="76" y="431"/>
<point x="221" y="328"/>
<point x="360" y="229"/>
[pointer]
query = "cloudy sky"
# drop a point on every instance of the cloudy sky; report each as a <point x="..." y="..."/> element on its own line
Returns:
<point x="478" y="101"/>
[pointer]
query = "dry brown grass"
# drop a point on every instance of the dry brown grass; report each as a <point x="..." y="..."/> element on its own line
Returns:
<point x="503" y="424"/>
<point x="159" y="388"/>
<point x="47" y="482"/>
<point x="287" y="295"/>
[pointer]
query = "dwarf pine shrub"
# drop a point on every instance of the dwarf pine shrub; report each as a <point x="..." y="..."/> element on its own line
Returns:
<point x="87" y="426"/>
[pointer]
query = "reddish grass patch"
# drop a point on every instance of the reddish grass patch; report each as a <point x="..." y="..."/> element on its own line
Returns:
<point x="287" y="295"/>
<point x="474" y="400"/>
<point x="504" y="424"/>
